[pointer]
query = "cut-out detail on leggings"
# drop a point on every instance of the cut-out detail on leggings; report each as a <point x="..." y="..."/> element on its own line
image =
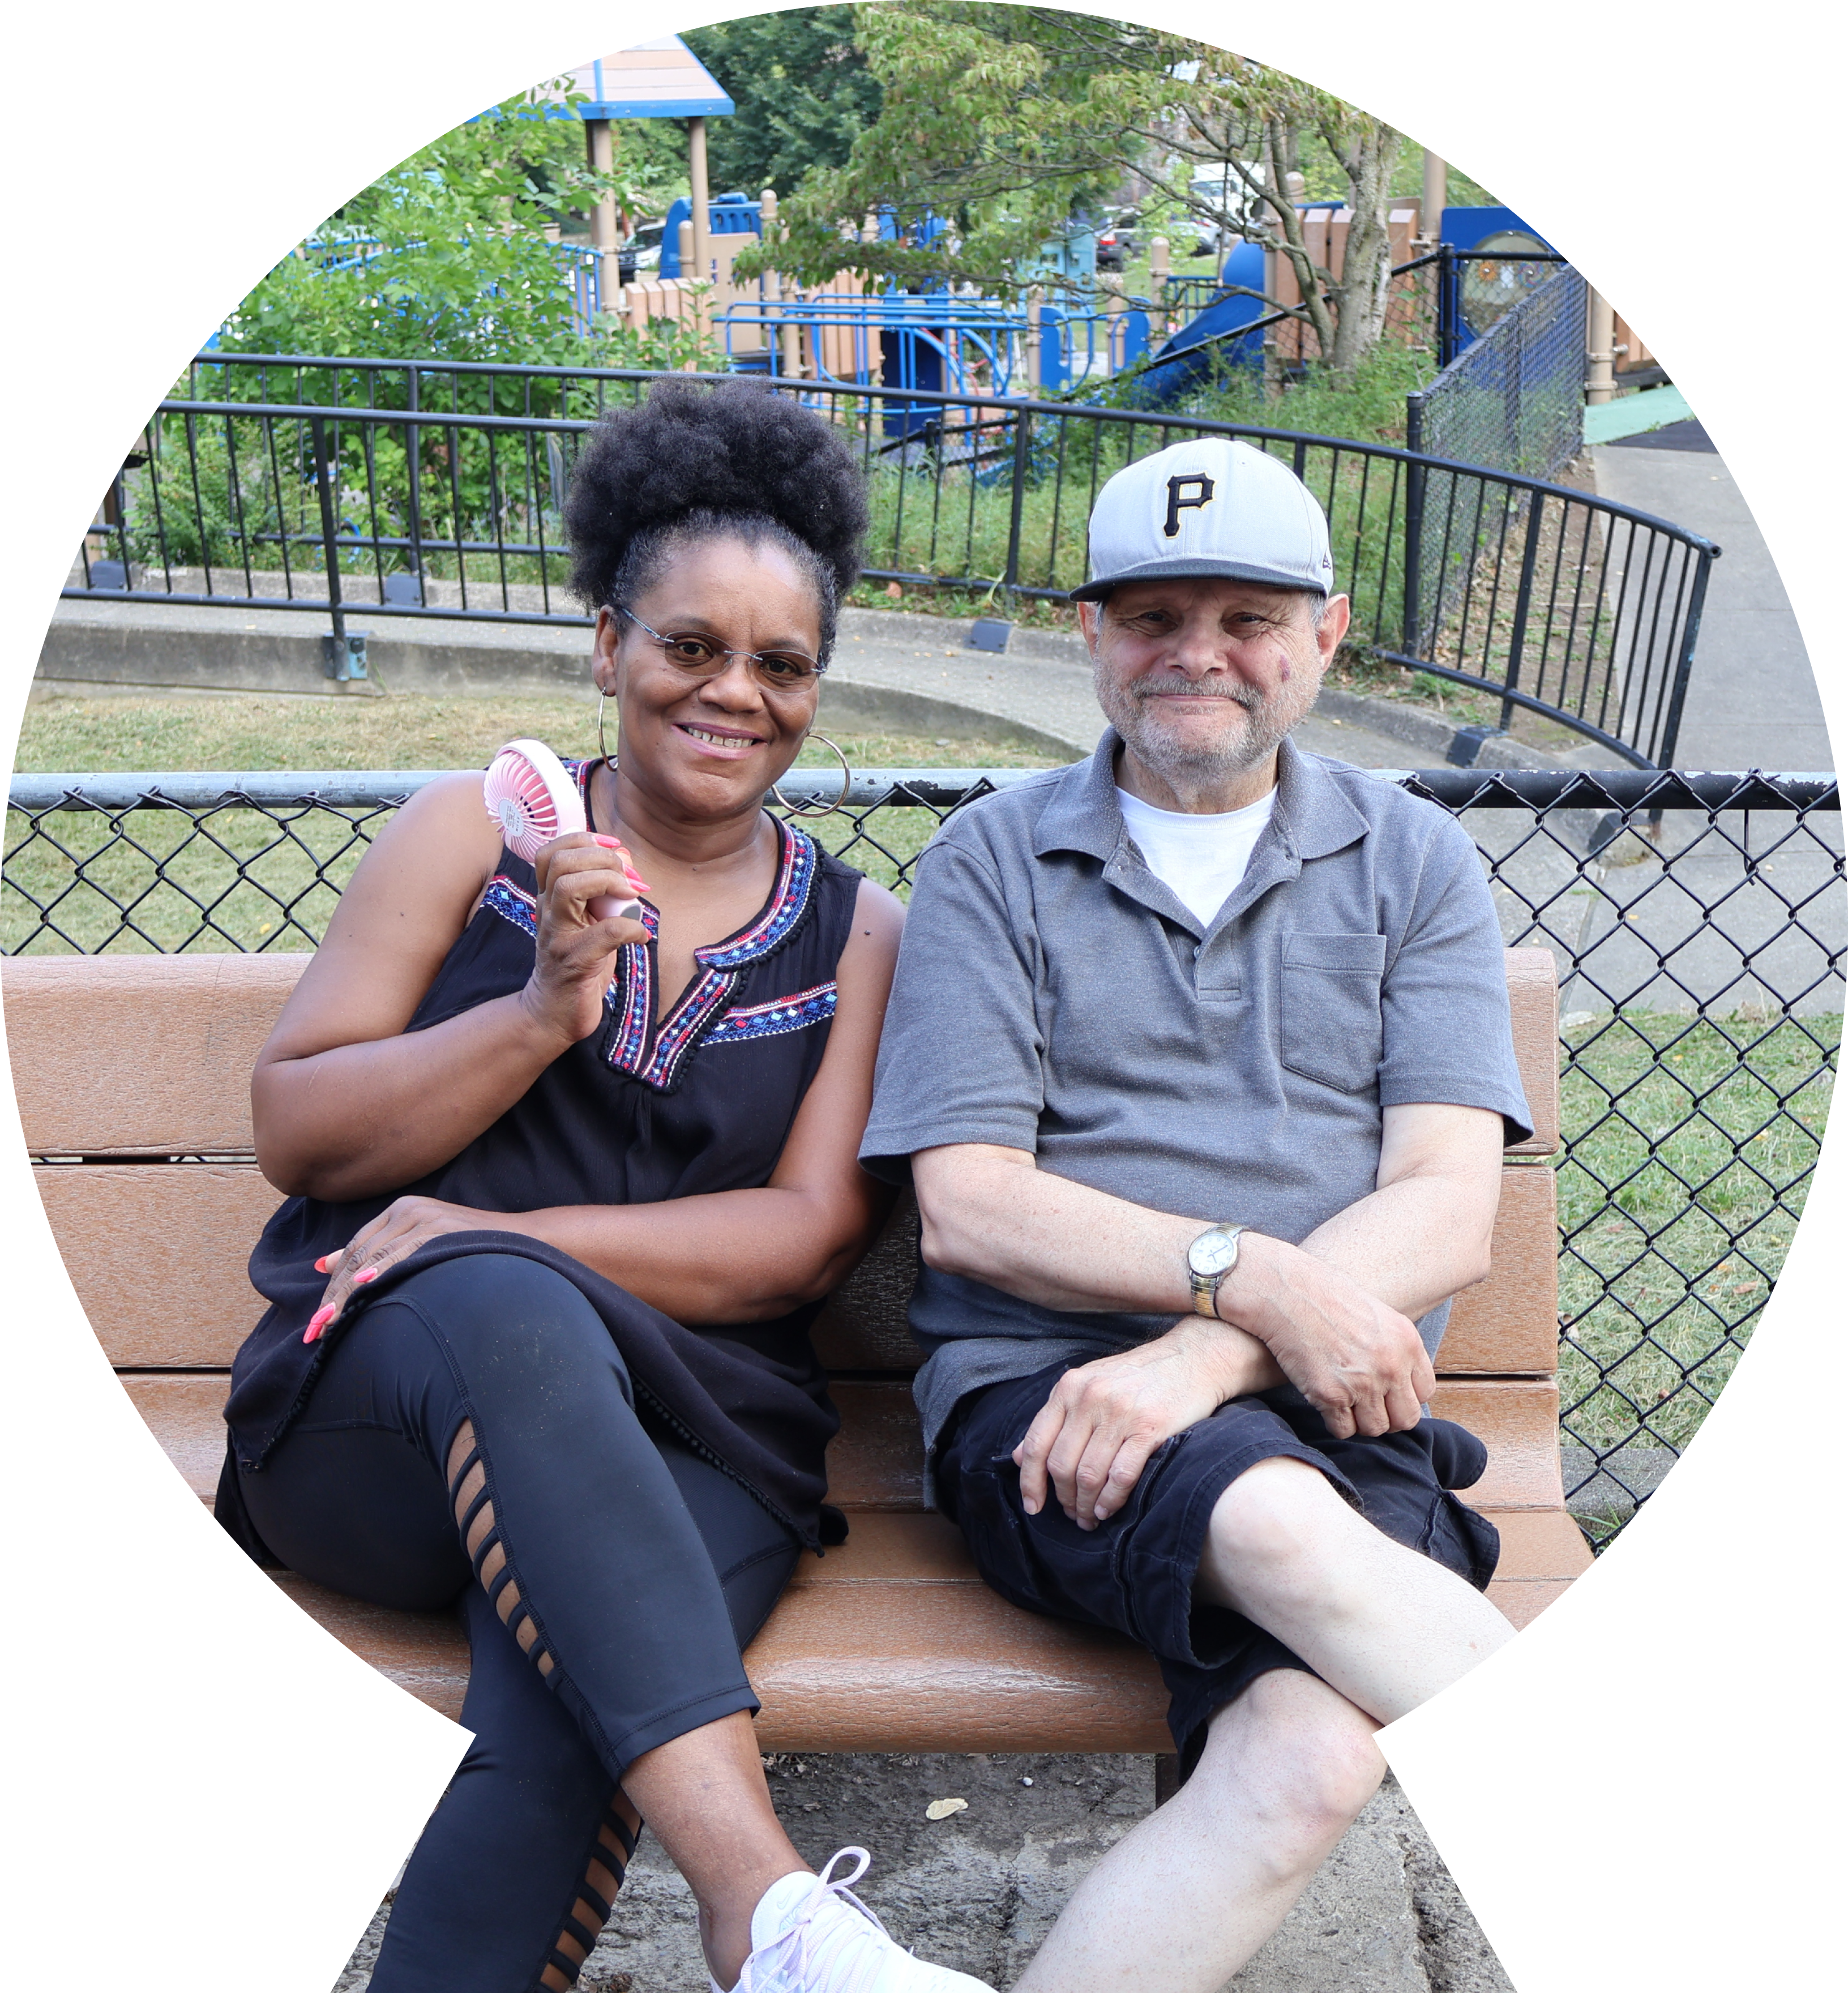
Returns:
<point x="604" y="1868"/>
<point x="475" y="1519"/>
<point x="608" y="1860"/>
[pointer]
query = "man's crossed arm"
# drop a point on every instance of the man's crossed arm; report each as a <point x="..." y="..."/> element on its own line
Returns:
<point x="1333" y="1316"/>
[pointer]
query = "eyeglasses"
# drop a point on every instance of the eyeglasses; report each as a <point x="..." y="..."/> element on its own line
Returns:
<point x="701" y="657"/>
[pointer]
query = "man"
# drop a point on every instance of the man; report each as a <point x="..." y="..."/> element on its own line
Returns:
<point x="1199" y="1059"/>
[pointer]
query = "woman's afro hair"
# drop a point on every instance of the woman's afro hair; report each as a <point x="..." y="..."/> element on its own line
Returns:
<point x="737" y="451"/>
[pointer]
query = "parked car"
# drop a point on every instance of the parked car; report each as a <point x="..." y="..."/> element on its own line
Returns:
<point x="641" y="252"/>
<point x="1116" y="239"/>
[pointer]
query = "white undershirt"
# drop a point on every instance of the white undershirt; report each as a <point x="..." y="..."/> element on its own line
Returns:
<point x="1199" y="859"/>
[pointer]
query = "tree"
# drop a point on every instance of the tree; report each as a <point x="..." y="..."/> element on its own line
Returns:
<point x="803" y="92"/>
<point x="1008" y="121"/>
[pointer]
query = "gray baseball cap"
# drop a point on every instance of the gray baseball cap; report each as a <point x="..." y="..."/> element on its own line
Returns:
<point x="1211" y="507"/>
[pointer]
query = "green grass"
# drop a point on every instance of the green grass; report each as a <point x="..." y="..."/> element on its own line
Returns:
<point x="1691" y="1143"/>
<point x="283" y="731"/>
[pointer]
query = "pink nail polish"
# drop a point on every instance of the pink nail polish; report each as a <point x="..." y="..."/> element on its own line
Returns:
<point x="610" y="843"/>
<point x="316" y="1322"/>
<point x="320" y="1265"/>
<point x="365" y="1276"/>
<point x="637" y="883"/>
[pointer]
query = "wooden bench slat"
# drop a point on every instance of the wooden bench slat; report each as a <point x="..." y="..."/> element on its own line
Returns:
<point x="1533" y="1002"/>
<point x="140" y="1055"/>
<point x="1508" y="1326"/>
<point x="877" y="1461"/>
<point x="151" y="1055"/>
<point x="1540" y="1546"/>
<point x="187" y="1414"/>
<point x="1518" y="1419"/>
<point x="877" y="1479"/>
<point x="135" y="1237"/>
<point x="892" y="1643"/>
<point x="947" y="1668"/>
<point x="425" y="1654"/>
<point x="1521" y="1602"/>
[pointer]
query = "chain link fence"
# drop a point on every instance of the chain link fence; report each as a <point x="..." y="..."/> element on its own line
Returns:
<point x="1697" y="921"/>
<point x="1513" y="400"/>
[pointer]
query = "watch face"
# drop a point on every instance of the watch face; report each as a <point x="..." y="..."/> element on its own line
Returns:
<point x="1213" y="1252"/>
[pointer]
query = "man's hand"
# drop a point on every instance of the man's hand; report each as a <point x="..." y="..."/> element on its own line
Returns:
<point x="1095" y="1434"/>
<point x="1359" y="1362"/>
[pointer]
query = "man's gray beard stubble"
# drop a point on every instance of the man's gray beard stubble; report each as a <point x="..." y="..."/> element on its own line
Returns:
<point x="1269" y="720"/>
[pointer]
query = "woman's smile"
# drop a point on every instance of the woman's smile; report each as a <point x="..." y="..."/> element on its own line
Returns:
<point x="730" y="743"/>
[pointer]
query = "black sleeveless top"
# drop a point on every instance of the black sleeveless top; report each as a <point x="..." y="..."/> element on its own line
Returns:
<point x="635" y="1113"/>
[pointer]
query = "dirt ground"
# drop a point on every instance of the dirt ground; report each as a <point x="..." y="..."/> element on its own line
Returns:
<point x="978" y="1889"/>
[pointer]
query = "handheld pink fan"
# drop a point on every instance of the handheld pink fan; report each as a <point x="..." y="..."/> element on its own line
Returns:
<point x="530" y="800"/>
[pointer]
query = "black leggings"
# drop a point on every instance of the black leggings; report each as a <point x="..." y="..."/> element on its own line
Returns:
<point x="619" y="1577"/>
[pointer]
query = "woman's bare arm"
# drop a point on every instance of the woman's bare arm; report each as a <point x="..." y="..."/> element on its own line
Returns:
<point x="345" y="1104"/>
<point x="730" y="1256"/>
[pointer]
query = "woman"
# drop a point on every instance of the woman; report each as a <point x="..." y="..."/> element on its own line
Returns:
<point x="565" y="1194"/>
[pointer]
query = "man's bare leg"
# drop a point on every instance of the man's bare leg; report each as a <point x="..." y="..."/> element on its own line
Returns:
<point x="1181" y="1903"/>
<point x="1386" y="1626"/>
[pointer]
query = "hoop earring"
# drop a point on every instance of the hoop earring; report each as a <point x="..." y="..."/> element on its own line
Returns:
<point x="603" y="753"/>
<point x="827" y="809"/>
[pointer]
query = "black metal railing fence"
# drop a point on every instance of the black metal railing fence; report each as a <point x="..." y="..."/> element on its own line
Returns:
<point x="1697" y="922"/>
<point x="381" y="492"/>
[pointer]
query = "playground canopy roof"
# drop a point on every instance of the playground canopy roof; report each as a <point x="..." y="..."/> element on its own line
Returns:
<point x="663" y="79"/>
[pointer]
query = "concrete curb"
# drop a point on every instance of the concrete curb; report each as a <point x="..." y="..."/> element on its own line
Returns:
<point x="102" y="650"/>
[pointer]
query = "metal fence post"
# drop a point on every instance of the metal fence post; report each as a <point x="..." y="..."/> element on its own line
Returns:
<point x="1684" y="661"/>
<point x="413" y="454"/>
<point x="1449" y="345"/>
<point x="1413" y="578"/>
<point x="336" y="650"/>
<point x="1524" y="596"/>
<point x="1011" y="574"/>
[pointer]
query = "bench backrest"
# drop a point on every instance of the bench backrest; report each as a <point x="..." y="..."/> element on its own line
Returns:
<point x="133" y="1075"/>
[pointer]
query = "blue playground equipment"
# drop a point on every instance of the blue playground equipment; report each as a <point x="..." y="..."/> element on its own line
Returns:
<point x="1484" y="292"/>
<point x="726" y="214"/>
<point x="1186" y="359"/>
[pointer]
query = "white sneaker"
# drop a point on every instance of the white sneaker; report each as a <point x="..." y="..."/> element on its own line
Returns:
<point x="831" y="1942"/>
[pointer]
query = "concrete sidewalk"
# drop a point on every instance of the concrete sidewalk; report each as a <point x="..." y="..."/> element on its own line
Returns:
<point x="1752" y="700"/>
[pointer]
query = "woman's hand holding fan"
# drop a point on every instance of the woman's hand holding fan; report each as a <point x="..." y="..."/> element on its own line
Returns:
<point x="536" y="806"/>
<point x="532" y="799"/>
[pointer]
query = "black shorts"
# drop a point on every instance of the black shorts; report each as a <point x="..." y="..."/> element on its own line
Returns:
<point x="1134" y="1573"/>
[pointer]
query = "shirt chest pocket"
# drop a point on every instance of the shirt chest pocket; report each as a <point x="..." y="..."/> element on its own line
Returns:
<point x="1329" y="1024"/>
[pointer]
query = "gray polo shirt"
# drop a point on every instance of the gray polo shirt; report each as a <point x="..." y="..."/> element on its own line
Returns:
<point x="1054" y="996"/>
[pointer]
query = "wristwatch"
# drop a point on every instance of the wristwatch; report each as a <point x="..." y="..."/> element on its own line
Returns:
<point x="1211" y="1257"/>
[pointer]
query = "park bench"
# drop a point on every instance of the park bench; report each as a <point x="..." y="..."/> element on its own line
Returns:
<point x="132" y="1074"/>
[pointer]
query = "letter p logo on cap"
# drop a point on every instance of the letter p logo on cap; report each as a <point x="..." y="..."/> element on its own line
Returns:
<point x="1201" y="486"/>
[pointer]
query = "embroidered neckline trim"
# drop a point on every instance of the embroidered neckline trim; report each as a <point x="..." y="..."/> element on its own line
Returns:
<point x="773" y="1019"/>
<point x="631" y="996"/>
<point x="723" y="964"/>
